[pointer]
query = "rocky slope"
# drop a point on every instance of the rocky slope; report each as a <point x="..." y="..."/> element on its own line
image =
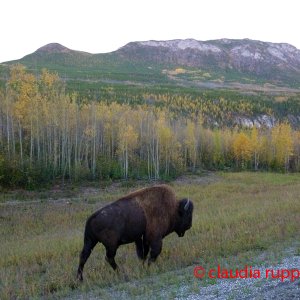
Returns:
<point x="267" y="60"/>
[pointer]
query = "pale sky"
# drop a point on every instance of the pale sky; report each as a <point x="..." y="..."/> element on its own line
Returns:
<point x="99" y="26"/>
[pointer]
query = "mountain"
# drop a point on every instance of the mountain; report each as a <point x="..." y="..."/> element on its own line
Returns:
<point x="53" y="48"/>
<point x="267" y="61"/>
<point x="224" y="63"/>
<point x="54" y="55"/>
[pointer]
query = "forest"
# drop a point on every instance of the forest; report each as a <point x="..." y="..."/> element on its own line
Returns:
<point x="48" y="133"/>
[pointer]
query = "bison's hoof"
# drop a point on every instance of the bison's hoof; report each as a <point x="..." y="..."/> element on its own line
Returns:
<point x="79" y="277"/>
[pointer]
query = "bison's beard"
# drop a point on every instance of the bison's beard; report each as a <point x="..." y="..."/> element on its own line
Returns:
<point x="180" y="234"/>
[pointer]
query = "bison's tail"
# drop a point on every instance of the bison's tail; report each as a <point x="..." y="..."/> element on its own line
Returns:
<point x="89" y="243"/>
<point x="88" y="233"/>
<point x="89" y="239"/>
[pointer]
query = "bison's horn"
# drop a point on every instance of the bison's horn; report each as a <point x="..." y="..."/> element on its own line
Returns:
<point x="186" y="207"/>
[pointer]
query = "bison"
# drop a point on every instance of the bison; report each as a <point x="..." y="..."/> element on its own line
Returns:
<point x="144" y="217"/>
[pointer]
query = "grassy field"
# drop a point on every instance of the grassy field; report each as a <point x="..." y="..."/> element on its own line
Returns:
<point x="235" y="213"/>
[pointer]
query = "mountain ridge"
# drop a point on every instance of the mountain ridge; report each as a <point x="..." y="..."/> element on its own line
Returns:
<point x="53" y="47"/>
<point x="222" y="60"/>
<point x="58" y="48"/>
<point x="245" y="56"/>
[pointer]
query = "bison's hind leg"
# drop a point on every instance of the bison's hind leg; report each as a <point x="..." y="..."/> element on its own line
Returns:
<point x="84" y="255"/>
<point x="110" y="255"/>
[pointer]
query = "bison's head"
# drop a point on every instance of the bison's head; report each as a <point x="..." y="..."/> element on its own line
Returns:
<point x="184" y="216"/>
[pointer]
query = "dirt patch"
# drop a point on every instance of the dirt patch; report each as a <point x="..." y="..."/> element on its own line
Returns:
<point x="65" y="193"/>
<point x="207" y="178"/>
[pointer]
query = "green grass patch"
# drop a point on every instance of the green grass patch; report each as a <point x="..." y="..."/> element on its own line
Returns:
<point x="238" y="215"/>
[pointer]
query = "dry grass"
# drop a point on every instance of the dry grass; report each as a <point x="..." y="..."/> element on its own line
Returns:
<point x="40" y="242"/>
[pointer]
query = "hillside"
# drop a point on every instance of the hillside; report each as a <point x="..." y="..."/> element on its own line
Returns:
<point x="277" y="63"/>
<point x="211" y="64"/>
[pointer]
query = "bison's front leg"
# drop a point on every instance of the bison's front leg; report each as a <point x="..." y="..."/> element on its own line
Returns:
<point x="142" y="249"/>
<point x="110" y="256"/>
<point x="146" y="248"/>
<point x="156" y="246"/>
<point x="139" y="248"/>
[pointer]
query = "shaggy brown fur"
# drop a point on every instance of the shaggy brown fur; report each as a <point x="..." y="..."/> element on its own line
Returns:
<point x="144" y="217"/>
<point x="160" y="207"/>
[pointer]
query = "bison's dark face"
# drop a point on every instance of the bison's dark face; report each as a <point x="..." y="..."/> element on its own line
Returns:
<point x="185" y="216"/>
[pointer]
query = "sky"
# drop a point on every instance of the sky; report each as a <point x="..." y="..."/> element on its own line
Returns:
<point x="99" y="26"/>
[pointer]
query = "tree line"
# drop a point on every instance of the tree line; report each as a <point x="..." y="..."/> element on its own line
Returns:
<point x="47" y="134"/>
